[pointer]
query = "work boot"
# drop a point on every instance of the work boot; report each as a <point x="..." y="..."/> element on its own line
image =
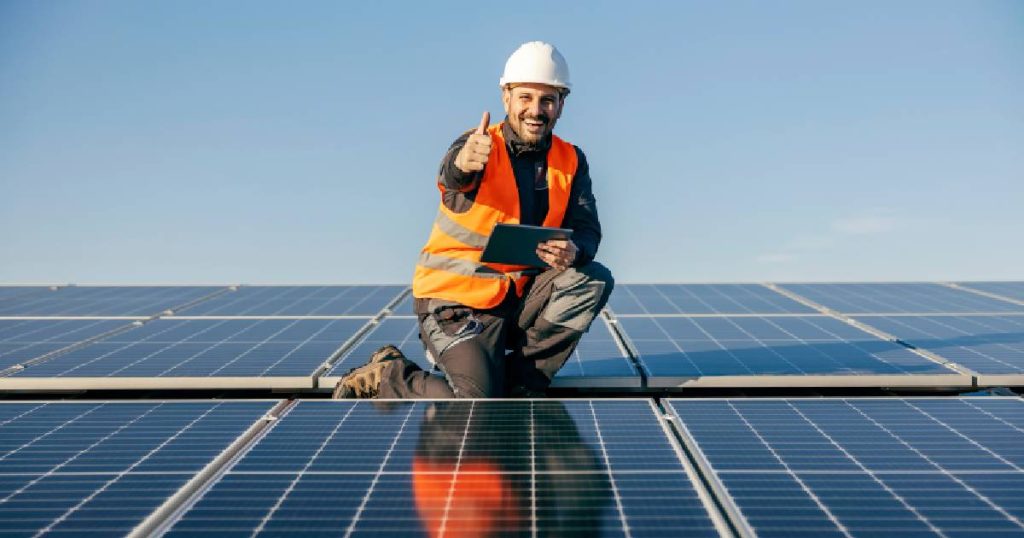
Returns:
<point x="364" y="381"/>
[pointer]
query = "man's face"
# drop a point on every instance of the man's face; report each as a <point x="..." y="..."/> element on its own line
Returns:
<point x="532" y="110"/>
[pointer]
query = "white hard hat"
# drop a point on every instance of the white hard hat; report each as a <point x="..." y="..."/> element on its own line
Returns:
<point x="538" y="62"/>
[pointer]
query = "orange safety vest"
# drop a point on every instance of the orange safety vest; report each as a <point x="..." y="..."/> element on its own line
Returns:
<point x="449" y="266"/>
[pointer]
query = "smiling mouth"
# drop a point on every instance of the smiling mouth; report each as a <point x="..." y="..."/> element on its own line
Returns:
<point x="534" y="125"/>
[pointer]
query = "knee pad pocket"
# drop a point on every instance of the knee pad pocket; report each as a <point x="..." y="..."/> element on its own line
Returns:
<point x="575" y="300"/>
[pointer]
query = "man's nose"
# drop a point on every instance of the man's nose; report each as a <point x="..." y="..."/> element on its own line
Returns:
<point x="534" y="109"/>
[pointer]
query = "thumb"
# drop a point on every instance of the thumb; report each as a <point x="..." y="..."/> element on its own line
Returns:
<point x="484" y="122"/>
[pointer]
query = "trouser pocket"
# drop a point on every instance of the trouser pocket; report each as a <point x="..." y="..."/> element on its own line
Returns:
<point x="448" y="327"/>
<point x="575" y="300"/>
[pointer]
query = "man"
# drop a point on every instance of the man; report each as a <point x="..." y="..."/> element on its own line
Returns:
<point x="471" y="312"/>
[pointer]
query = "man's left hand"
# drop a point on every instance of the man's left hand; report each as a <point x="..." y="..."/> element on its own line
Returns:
<point x="558" y="253"/>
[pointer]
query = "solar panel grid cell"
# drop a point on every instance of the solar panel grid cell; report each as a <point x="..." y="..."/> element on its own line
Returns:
<point x="100" y="468"/>
<point x="402" y="332"/>
<point x="864" y="467"/>
<point x="1010" y="290"/>
<point x="298" y="301"/>
<point x="7" y="292"/>
<point x="24" y="340"/>
<point x="475" y="468"/>
<point x="681" y="348"/>
<point x="660" y="299"/>
<point x="984" y="344"/>
<point x="109" y="301"/>
<point x="898" y="297"/>
<point x="172" y="347"/>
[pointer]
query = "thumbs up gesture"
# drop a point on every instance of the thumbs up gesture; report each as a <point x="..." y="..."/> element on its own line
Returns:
<point x="474" y="154"/>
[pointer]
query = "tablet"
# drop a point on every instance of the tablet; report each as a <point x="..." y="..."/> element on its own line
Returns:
<point x="517" y="243"/>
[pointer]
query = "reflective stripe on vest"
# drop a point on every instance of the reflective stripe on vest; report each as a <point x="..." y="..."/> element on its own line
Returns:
<point x="449" y="266"/>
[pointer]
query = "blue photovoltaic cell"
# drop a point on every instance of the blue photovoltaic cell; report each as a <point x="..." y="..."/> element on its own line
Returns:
<point x="402" y="332"/>
<point x="24" y="340"/>
<point x="985" y="344"/>
<point x="298" y="301"/>
<point x="483" y="468"/>
<point x="898" y="297"/>
<point x="1010" y="290"/>
<point x="404" y="307"/>
<point x="869" y="467"/>
<point x="140" y="301"/>
<point x="80" y="469"/>
<point x="680" y="347"/>
<point x="172" y="347"/>
<point x="7" y="292"/>
<point x="702" y="299"/>
<point x="596" y="357"/>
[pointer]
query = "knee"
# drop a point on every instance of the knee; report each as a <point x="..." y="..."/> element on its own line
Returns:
<point x="471" y="370"/>
<point x="593" y="276"/>
<point x="467" y="387"/>
<point x="578" y="294"/>
<point x="597" y="272"/>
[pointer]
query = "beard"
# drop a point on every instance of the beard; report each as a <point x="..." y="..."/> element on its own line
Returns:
<point x="533" y="136"/>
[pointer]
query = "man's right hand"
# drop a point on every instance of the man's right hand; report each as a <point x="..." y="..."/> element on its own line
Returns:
<point x="473" y="155"/>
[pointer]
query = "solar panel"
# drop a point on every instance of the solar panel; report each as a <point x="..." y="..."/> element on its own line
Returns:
<point x="197" y="353"/>
<point x="659" y="299"/>
<point x="992" y="346"/>
<point x="299" y="301"/>
<point x="863" y="467"/>
<point x="898" y="297"/>
<point x="7" y="292"/>
<point x="1010" y="290"/>
<point x="404" y="307"/>
<point x="402" y="332"/>
<point x="80" y="469"/>
<point x="105" y="301"/>
<point x="796" y="351"/>
<point x="598" y="360"/>
<point x="24" y="340"/>
<point x="461" y="468"/>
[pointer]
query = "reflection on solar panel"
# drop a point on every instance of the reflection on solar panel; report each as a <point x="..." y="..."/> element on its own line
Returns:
<point x="865" y="467"/>
<point x="775" y="351"/>
<point x="101" y="468"/>
<point x="1010" y="290"/>
<point x="483" y="468"/>
<point x="702" y="299"/>
<point x="6" y="292"/>
<point x="213" y="349"/>
<point x="894" y="298"/>
<point x="597" y="362"/>
<point x="138" y="301"/>
<point x="985" y="344"/>
<point x="24" y="340"/>
<point x="299" y="301"/>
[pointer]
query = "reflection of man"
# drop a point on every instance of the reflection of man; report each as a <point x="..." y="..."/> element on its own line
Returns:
<point x="491" y="495"/>
<point x="470" y="312"/>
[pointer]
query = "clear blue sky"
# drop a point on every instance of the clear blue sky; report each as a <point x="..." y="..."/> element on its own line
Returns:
<point x="298" y="142"/>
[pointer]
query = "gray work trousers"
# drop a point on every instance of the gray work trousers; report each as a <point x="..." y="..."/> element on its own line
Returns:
<point x="511" y="350"/>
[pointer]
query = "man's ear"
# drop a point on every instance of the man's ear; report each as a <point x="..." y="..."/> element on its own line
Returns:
<point x="506" y="98"/>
